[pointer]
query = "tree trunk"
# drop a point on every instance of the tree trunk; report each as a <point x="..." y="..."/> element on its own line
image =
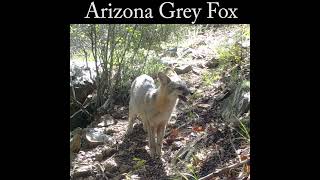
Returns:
<point x="86" y="57"/>
<point x="93" y="37"/>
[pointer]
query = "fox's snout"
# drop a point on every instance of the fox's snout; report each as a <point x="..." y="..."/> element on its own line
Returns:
<point x="186" y="92"/>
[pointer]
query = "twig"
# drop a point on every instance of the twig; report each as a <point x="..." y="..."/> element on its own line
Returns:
<point x="221" y="171"/>
<point x="189" y="147"/>
<point x="81" y="107"/>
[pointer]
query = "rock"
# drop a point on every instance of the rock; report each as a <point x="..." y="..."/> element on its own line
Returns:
<point x="200" y="65"/>
<point x="110" y="165"/>
<point x="198" y="56"/>
<point x="176" y="145"/>
<point x="98" y="157"/>
<point x="82" y="153"/>
<point x="183" y="52"/>
<point x="223" y="95"/>
<point x="196" y="71"/>
<point x="77" y="130"/>
<point x="107" y="120"/>
<point x="183" y="69"/>
<point x="212" y="64"/>
<point x="107" y="152"/>
<point x="75" y="141"/>
<point x="244" y="104"/>
<point x="168" y="61"/>
<point x="237" y="103"/>
<point x="110" y="131"/>
<point x="82" y="171"/>
<point x="171" y="52"/>
<point x="96" y="136"/>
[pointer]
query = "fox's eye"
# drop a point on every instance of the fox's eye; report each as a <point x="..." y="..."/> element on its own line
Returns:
<point x="180" y="88"/>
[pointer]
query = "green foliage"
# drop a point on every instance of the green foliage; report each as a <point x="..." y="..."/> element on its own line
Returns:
<point x="244" y="128"/>
<point x="139" y="163"/>
<point x="232" y="56"/>
<point x="190" y="174"/>
<point x="196" y="95"/>
<point x="212" y="76"/>
<point x="231" y="52"/>
<point x="153" y="66"/>
<point x="191" y="115"/>
<point x="191" y="171"/>
<point x="123" y="51"/>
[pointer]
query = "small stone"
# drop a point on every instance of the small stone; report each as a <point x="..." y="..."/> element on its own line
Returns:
<point x="212" y="64"/>
<point x="99" y="157"/>
<point x="75" y="143"/>
<point x="110" y="166"/>
<point x="183" y="69"/>
<point x="196" y="71"/>
<point x="82" y="171"/>
<point x="110" y="131"/>
<point x="107" y="152"/>
<point x="176" y="145"/>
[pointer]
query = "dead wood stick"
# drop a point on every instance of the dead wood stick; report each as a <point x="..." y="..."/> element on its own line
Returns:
<point x="81" y="107"/>
<point x="223" y="170"/>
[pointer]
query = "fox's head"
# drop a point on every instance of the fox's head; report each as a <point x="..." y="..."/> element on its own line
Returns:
<point x="173" y="85"/>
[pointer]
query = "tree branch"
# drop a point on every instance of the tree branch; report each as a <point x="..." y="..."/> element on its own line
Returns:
<point x="80" y="106"/>
<point x="223" y="170"/>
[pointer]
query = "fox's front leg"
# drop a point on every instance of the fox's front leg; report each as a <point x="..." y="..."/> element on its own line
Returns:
<point x="151" y="139"/>
<point x="160" y="134"/>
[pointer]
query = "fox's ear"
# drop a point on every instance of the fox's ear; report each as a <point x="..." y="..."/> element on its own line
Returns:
<point x="164" y="79"/>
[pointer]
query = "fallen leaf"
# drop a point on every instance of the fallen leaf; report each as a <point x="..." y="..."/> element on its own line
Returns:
<point x="197" y="128"/>
<point x="172" y="137"/>
<point x="243" y="157"/>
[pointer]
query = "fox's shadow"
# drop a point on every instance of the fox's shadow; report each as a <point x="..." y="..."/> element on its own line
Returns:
<point x="133" y="154"/>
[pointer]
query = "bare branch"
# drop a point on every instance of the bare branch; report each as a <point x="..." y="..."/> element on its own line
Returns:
<point x="223" y="170"/>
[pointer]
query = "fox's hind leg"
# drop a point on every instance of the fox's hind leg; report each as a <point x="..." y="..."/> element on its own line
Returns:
<point x="151" y="139"/>
<point x="131" y="118"/>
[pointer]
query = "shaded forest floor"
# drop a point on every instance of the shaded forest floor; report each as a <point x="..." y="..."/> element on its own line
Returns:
<point x="198" y="141"/>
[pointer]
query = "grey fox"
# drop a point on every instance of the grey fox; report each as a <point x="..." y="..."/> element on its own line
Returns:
<point x="155" y="105"/>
